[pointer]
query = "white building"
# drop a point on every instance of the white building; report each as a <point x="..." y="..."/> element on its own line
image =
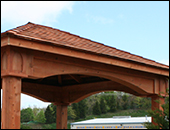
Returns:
<point x="117" y="122"/>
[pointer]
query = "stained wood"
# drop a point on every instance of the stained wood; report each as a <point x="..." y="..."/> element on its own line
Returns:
<point x="11" y="102"/>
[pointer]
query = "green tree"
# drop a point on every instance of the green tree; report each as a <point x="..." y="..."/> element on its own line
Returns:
<point x="146" y="103"/>
<point x="91" y="100"/>
<point x="49" y="115"/>
<point x="103" y="105"/>
<point x="40" y="117"/>
<point x="27" y="115"/>
<point x="54" y="109"/>
<point x="71" y="113"/>
<point x="35" y="110"/>
<point x="125" y="104"/>
<point x="113" y="103"/>
<point x="82" y="107"/>
<point x="161" y="117"/>
<point x="96" y="109"/>
<point x="138" y="102"/>
<point x="76" y="110"/>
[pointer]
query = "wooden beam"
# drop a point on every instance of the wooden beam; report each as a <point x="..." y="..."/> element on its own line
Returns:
<point x="59" y="79"/>
<point x="74" y="93"/>
<point x="70" y="52"/>
<point x="76" y="78"/>
<point x="46" y="93"/>
<point x="79" y="92"/>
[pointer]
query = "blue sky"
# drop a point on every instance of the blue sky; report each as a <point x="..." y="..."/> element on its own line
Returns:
<point x="140" y="27"/>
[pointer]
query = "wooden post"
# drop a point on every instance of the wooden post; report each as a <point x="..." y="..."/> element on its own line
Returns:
<point x="157" y="105"/>
<point x="61" y="119"/>
<point x="11" y="87"/>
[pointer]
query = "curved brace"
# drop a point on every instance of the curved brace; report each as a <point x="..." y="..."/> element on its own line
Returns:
<point x="79" y="92"/>
<point x="129" y="78"/>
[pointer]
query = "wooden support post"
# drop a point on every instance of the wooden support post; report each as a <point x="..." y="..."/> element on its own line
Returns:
<point x="61" y="119"/>
<point x="157" y="105"/>
<point x="11" y="87"/>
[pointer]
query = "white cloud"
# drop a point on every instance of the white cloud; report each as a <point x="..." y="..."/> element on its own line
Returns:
<point x="19" y="12"/>
<point x="99" y="19"/>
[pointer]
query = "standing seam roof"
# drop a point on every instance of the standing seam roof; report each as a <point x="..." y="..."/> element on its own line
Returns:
<point x="58" y="37"/>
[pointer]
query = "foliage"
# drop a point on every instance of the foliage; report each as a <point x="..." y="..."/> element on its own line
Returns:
<point x="103" y="106"/>
<point x="71" y="113"/>
<point x="138" y="102"/>
<point x="40" y="117"/>
<point x="27" y="115"/>
<point x="160" y="117"/>
<point x="75" y="109"/>
<point x="49" y="115"/>
<point x="54" y="108"/>
<point x="125" y="104"/>
<point x="82" y="107"/>
<point x="79" y="109"/>
<point x="91" y="102"/>
<point x="113" y="104"/>
<point x="35" y="110"/>
<point x="96" y="109"/>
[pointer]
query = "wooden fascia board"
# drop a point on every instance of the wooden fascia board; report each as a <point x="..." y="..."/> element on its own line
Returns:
<point x="82" y="54"/>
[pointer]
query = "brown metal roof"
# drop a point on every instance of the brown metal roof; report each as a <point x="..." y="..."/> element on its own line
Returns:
<point x="58" y="37"/>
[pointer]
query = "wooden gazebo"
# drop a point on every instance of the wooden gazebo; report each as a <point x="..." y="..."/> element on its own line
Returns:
<point x="62" y="68"/>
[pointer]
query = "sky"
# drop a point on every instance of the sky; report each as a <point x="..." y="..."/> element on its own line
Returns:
<point x="138" y="27"/>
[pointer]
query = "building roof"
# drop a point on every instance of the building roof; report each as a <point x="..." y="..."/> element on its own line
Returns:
<point x="101" y="121"/>
<point x="57" y="37"/>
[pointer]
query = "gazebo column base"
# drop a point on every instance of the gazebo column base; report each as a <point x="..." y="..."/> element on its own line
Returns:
<point x="11" y="87"/>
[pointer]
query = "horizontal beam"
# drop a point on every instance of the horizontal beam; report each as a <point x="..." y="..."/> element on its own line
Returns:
<point x="51" y="48"/>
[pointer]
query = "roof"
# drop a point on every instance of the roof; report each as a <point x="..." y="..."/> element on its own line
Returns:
<point x="101" y="121"/>
<point x="62" y="38"/>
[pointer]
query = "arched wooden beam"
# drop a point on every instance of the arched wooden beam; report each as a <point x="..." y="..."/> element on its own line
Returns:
<point x="79" y="92"/>
<point x="74" y="93"/>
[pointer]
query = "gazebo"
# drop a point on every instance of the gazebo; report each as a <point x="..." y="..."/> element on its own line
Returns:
<point x="62" y="68"/>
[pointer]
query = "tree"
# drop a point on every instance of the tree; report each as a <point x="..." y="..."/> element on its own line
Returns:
<point x="138" y="102"/>
<point x="125" y="105"/>
<point x="76" y="110"/>
<point x="96" y="109"/>
<point x="71" y="113"/>
<point x="113" y="103"/>
<point x="54" y="109"/>
<point x="161" y="117"/>
<point x="35" y="110"/>
<point x="40" y="117"/>
<point x="49" y="115"/>
<point x="103" y="106"/>
<point x="82" y="107"/>
<point x="27" y="115"/>
<point x="91" y="100"/>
